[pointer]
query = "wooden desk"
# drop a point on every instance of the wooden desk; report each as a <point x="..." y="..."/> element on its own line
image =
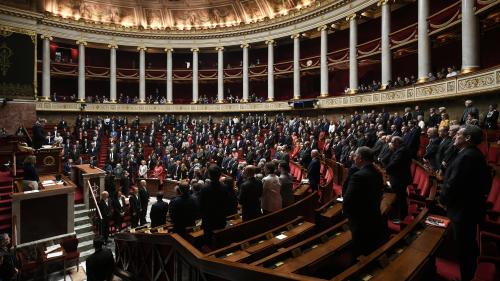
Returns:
<point x="35" y="221"/>
<point x="82" y="174"/>
<point x="46" y="261"/>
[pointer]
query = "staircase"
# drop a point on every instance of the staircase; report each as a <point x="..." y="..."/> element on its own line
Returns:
<point x="5" y="202"/>
<point x="103" y="151"/>
<point x="84" y="231"/>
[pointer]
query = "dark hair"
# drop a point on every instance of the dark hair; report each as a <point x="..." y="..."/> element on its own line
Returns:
<point x="98" y="242"/>
<point x="270" y="167"/>
<point x="365" y="153"/>
<point x="214" y="172"/>
<point x="475" y="133"/>
<point x="159" y="196"/>
<point x="184" y="187"/>
<point x="285" y="166"/>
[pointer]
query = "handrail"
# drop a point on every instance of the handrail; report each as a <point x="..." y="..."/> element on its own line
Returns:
<point x="14" y="231"/>
<point x="91" y="190"/>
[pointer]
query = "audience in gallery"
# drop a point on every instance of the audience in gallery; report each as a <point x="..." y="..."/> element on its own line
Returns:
<point x="365" y="87"/>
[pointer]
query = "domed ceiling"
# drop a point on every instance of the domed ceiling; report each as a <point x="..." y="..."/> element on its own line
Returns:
<point x="174" y="14"/>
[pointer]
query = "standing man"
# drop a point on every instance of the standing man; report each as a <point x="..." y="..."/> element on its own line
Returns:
<point x="158" y="212"/>
<point x="100" y="265"/>
<point x="365" y="188"/>
<point x="463" y="194"/>
<point x="183" y="209"/>
<point x="314" y="170"/>
<point x="399" y="173"/>
<point x="250" y="193"/>
<point x="144" y="198"/>
<point x="105" y="208"/>
<point x="135" y="207"/>
<point x="469" y="109"/>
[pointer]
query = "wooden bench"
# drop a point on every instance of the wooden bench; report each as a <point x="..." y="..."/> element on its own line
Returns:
<point x="263" y="244"/>
<point x="329" y="213"/>
<point x="309" y="251"/>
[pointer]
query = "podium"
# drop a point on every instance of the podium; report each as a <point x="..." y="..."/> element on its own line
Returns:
<point x="46" y="214"/>
<point x="83" y="174"/>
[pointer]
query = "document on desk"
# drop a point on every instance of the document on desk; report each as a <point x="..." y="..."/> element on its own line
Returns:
<point x="54" y="254"/>
<point x="52" y="248"/>
<point x="48" y="182"/>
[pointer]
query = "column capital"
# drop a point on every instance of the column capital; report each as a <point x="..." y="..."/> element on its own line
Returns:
<point x="219" y="48"/>
<point x="142" y="48"/>
<point x="46" y="36"/>
<point x="168" y="49"/>
<point x="352" y="17"/>
<point x="270" y="42"/>
<point x="113" y="46"/>
<point x="195" y="50"/>
<point x="323" y="27"/>
<point x="296" y="35"/>
<point x="335" y="26"/>
<point x="383" y="2"/>
<point x="244" y="45"/>
<point x="81" y="42"/>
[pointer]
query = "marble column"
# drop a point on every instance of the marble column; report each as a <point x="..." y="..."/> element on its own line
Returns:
<point x="385" y="43"/>
<point x="220" y="74"/>
<point x="245" y="72"/>
<point x="170" y="98"/>
<point x="324" y="61"/>
<point x="353" y="60"/>
<point x="142" y="74"/>
<point x="112" y="72"/>
<point x="296" y="66"/>
<point x="270" y="70"/>
<point x="470" y="37"/>
<point x="46" y="68"/>
<point x="195" y="74"/>
<point x="424" y="47"/>
<point x="81" y="70"/>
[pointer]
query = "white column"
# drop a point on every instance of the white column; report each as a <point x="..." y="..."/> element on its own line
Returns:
<point x="324" y="61"/>
<point x="142" y="74"/>
<point x="81" y="70"/>
<point x="296" y="66"/>
<point x="220" y="74"/>
<point x="270" y="70"/>
<point x="46" y="68"/>
<point x="353" y="60"/>
<point x="245" y="71"/>
<point x="470" y="37"/>
<point x="195" y="74"/>
<point x="386" y="43"/>
<point x="424" y="47"/>
<point x="112" y="72"/>
<point x="170" y="98"/>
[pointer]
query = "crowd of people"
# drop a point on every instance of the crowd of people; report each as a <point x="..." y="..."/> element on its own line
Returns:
<point x="400" y="82"/>
<point x="253" y="152"/>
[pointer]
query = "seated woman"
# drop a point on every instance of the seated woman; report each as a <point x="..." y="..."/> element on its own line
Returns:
<point x="30" y="179"/>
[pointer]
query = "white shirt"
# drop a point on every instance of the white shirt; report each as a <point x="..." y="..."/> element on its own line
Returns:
<point x="271" y="194"/>
<point x="143" y="170"/>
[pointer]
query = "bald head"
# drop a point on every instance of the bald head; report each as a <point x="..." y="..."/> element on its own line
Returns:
<point x="314" y="153"/>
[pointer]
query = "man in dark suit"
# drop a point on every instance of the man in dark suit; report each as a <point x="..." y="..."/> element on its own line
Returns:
<point x="305" y="154"/>
<point x="314" y="170"/>
<point x="183" y="209"/>
<point x="135" y="207"/>
<point x="362" y="205"/>
<point x="469" y="109"/>
<point x="100" y="265"/>
<point x="399" y="173"/>
<point x="249" y="195"/>
<point x="105" y="208"/>
<point x="463" y="193"/>
<point x="412" y="142"/>
<point x="432" y="148"/>
<point x="144" y="198"/>
<point x="158" y="212"/>
<point x="214" y="203"/>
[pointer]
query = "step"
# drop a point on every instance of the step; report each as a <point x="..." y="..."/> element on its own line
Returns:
<point x="81" y="213"/>
<point x="6" y="210"/>
<point x="83" y="228"/>
<point x="86" y="236"/>
<point x="79" y="207"/>
<point x="85" y="246"/>
<point x="5" y="202"/>
<point x="82" y="220"/>
<point x="85" y="254"/>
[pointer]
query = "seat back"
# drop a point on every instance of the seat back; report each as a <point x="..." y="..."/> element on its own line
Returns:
<point x="494" y="192"/>
<point x="70" y="244"/>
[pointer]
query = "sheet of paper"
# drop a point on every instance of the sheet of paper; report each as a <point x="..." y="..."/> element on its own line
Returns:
<point x="48" y="182"/>
<point x="281" y="236"/>
<point x="54" y="254"/>
<point x="52" y="248"/>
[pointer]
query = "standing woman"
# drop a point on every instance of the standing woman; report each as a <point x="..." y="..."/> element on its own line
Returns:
<point x="159" y="172"/>
<point x="286" y="181"/>
<point x="143" y="170"/>
<point x="30" y="180"/>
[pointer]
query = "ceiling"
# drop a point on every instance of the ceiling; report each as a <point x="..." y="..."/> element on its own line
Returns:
<point x="174" y="14"/>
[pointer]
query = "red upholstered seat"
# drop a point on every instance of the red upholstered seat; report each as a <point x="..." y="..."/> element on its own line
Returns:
<point x="70" y="246"/>
<point x="486" y="271"/>
<point x="494" y="192"/>
<point x="483" y="147"/>
<point x="493" y="154"/>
